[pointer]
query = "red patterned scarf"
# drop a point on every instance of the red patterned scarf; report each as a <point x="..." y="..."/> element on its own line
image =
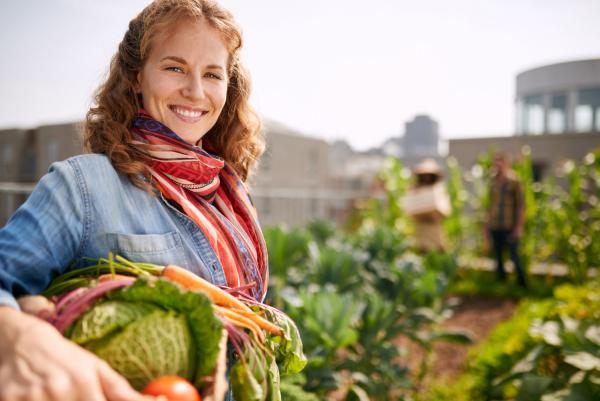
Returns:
<point x="212" y="195"/>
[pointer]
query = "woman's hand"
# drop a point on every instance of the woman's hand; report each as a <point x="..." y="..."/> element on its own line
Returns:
<point x="37" y="363"/>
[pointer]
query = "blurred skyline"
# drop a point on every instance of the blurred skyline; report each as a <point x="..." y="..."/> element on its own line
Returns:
<point x="332" y="69"/>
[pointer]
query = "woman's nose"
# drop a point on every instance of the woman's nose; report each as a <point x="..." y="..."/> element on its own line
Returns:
<point x="194" y="88"/>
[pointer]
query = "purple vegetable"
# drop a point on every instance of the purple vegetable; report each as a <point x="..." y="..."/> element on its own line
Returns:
<point x="78" y="303"/>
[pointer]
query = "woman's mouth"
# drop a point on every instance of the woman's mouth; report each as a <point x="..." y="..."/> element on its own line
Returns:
<point x="188" y="114"/>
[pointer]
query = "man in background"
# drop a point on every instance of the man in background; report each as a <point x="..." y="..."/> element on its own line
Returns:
<point x="506" y="215"/>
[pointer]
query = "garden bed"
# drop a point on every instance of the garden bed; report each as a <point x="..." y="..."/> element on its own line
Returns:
<point x="476" y="316"/>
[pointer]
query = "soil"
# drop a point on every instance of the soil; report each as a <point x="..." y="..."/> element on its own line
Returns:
<point x="477" y="316"/>
<point x="474" y="315"/>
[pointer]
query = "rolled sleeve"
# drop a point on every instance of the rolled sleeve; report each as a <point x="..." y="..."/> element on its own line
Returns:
<point x="43" y="236"/>
<point x="7" y="299"/>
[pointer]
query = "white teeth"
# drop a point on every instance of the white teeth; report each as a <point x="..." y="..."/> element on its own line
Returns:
<point x="187" y="113"/>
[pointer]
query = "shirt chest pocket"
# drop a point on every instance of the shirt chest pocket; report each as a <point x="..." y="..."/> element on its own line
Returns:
<point x="160" y="249"/>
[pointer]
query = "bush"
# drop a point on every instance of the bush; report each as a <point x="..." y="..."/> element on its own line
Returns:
<point x="548" y="351"/>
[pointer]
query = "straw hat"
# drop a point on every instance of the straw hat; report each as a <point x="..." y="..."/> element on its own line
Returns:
<point x="428" y="166"/>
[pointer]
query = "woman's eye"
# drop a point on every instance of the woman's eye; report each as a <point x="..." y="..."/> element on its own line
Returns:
<point x="174" y="69"/>
<point x="213" y="76"/>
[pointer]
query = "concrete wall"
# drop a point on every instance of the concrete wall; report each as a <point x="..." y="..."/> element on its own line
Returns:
<point x="54" y="143"/>
<point x="12" y="144"/>
<point x="25" y="156"/>
<point x="291" y="184"/>
<point x="548" y="151"/>
<point x="292" y="161"/>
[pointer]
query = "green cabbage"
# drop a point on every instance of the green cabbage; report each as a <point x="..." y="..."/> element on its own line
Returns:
<point x="151" y="329"/>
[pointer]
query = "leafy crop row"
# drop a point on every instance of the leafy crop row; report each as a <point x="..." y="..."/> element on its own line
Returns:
<point x="548" y="351"/>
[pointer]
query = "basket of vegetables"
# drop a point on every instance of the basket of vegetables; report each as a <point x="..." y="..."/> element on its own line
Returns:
<point x="166" y="329"/>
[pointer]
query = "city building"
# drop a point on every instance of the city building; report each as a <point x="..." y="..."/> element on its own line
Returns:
<point x="558" y="118"/>
<point x="25" y="158"/>
<point x="421" y="140"/>
<point x="559" y="98"/>
<point x="290" y="185"/>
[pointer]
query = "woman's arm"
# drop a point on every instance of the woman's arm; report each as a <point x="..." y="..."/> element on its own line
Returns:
<point x="44" y="235"/>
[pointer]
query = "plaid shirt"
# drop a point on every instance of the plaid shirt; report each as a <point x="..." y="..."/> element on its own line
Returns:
<point x="506" y="202"/>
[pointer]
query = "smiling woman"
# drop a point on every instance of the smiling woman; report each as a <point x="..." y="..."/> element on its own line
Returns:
<point x="183" y="83"/>
<point x="172" y="139"/>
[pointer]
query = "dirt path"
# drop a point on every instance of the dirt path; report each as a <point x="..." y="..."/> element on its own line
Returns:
<point x="476" y="316"/>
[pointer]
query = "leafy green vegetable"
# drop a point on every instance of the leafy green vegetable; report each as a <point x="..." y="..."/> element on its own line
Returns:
<point x="288" y="348"/>
<point x="245" y="384"/>
<point x="150" y="329"/>
<point x="273" y="382"/>
<point x="159" y="344"/>
<point x="105" y="318"/>
<point x="205" y="327"/>
<point x="291" y="389"/>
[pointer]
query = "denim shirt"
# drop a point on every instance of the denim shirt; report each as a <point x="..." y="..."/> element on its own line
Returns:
<point x="84" y="207"/>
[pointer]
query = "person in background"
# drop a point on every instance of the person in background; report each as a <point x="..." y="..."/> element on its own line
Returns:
<point x="171" y="140"/>
<point x="506" y="216"/>
<point x="429" y="231"/>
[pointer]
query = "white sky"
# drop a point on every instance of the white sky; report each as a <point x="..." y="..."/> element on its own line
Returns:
<point x="350" y="69"/>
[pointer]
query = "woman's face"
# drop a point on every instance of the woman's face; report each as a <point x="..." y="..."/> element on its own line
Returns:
<point x="183" y="83"/>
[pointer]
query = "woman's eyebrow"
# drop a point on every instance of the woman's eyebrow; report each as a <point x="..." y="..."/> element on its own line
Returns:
<point x="182" y="61"/>
<point x="174" y="58"/>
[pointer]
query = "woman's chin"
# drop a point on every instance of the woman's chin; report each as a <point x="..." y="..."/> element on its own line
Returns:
<point x="191" y="139"/>
<point x="184" y="132"/>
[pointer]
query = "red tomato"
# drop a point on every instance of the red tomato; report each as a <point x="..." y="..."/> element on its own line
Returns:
<point x="174" y="388"/>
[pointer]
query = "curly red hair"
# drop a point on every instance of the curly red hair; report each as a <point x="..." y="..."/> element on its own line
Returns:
<point x="236" y="136"/>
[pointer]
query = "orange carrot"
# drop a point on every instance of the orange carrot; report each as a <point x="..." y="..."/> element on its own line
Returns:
<point x="242" y="321"/>
<point x="109" y="277"/>
<point x="189" y="280"/>
<point x="262" y="322"/>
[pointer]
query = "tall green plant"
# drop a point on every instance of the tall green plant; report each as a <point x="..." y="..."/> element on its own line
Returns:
<point x="578" y="231"/>
<point x="592" y="163"/>
<point x="523" y="169"/>
<point x="288" y="253"/>
<point x="387" y="211"/>
<point x="457" y="223"/>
